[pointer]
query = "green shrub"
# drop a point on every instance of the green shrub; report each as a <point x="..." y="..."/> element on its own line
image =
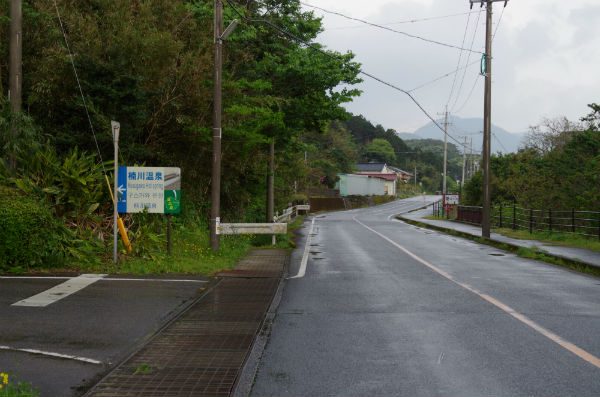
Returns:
<point x="28" y="231"/>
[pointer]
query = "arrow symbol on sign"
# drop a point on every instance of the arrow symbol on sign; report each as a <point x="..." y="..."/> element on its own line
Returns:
<point x="120" y="191"/>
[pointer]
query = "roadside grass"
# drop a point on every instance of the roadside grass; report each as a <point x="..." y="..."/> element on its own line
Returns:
<point x="529" y="253"/>
<point x="190" y="253"/>
<point x="557" y="239"/>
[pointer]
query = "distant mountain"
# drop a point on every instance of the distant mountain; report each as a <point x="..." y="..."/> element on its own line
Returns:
<point x="502" y="140"/>
<point x="407" y="136"/>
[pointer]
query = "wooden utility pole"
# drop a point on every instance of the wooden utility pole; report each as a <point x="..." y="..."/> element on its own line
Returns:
<point x="487" y="117"/>
<point x="215" y="197"/>
<point x="472" y="165"/>
<point x="462" y="181"/>
<point x="271" y="183"/>
<point x="15" y="69"/>
<point x="444" y="192"/>
<point x="215" y="194"/>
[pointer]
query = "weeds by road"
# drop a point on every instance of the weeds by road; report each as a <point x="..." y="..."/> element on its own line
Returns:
<point x="558" y="239"/>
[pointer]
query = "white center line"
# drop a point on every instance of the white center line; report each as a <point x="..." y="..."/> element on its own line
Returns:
<point x="51" y="354"/>
<point x="576" y="350"/>
<point x="302" y="270"/>
<point x="60" y="291"/>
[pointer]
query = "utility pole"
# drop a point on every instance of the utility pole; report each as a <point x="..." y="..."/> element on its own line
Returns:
<point x="487" y="117"/>
<point x="445" y="156"/>
<point x="462" y="181"/>
<point x="15" y="79"/>
<point x="271" y="183"/>
<point x="415" y="176"/>
<point x="215" y="196"/>
<point x="485" y="218"/>
<point x="472" y="165"/>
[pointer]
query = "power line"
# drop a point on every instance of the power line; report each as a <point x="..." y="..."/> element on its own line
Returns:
<point x="498" y="24"/>
<point x="470" y="94"/>
<point x="468" y="59"/>
<point x="313" y="47"/>
<point x="407" y="21"/>
<point x="443" y="76"/>
<point x="389" y="29"/>
<point x="498" y="140"/>
<point x="80" y="89"/>
<point x="459" y="59"/>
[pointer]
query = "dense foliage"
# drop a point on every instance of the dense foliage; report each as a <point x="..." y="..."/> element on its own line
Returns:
<point x="559" y="168"/>
<point x="149" y="65"/>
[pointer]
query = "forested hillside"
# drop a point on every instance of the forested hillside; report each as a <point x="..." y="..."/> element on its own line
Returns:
<point x="149" y="65"/>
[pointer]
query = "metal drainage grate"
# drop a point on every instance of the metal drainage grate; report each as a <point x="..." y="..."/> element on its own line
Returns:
<point x="202" y="352"/>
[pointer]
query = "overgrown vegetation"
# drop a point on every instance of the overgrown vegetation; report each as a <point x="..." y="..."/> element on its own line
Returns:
<point x="560" y="239"/>
<point x="557" y="168"/>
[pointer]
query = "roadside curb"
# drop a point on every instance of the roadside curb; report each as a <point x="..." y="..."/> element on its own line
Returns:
<point x="513" y="248"/>
<point x="245" y="381"/>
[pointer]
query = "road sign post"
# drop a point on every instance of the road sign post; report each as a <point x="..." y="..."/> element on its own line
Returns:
<point x="116" y="127"/>
<point x="153" y="189"/>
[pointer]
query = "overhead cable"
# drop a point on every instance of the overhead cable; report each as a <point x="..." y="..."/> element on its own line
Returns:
<point x="408" y="21"/>
<point x="389" y="29"/>
<point x="459" y="60"/>
<point x="468" y="59"/>
<point x="498" y="24"/>
<point x="443" y="76"/>
<point x="314" y="47"/>
<point x="80" y="89"/>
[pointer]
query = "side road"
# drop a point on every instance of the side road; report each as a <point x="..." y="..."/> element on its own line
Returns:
<point x="574" y="255"/>
<point x="202" y="352"/>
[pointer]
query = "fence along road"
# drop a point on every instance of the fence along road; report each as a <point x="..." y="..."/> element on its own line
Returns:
<point x="386" y="308"/>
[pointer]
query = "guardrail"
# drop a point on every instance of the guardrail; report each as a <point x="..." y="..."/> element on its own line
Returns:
<point x="279" y="225"/>
<point x="583" y="223"/>
<point x="290" y="213"/>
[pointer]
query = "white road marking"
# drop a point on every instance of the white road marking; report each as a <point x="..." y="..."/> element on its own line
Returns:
<point x="302" y="269"/>
<point x="60" y="291"/>
<point x="51" y="354"/>
<point x="576" y="350"/>
<point x="165" y="280"/>
<point x="162" y="280"/>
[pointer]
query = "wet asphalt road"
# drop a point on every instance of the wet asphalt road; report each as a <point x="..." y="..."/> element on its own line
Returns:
<point x="103" y="322"/>
<point x="369" y="319"/>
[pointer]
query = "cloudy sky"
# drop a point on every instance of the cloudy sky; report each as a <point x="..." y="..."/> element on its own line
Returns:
<point x="546" y="58"/>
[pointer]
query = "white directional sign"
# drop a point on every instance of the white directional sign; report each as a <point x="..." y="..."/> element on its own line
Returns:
<point x="157" y="189"/>
<point x="452" y="199"/>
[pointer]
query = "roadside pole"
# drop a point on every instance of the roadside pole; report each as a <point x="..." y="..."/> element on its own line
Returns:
<point x="444" y="192"/>
<point x="115" y="130"/>
<point x="485" y="221"/>
<point x="215" y="196"/>
<point x="271" y="185"/>
<point x="216" y="155"/>
<point x="15" y="80"/>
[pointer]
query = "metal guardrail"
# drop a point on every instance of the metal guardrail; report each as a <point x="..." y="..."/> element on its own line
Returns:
<point x="583" y="223"/>
<point x="290" y="213"/>
<point x="253" y="228"/>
